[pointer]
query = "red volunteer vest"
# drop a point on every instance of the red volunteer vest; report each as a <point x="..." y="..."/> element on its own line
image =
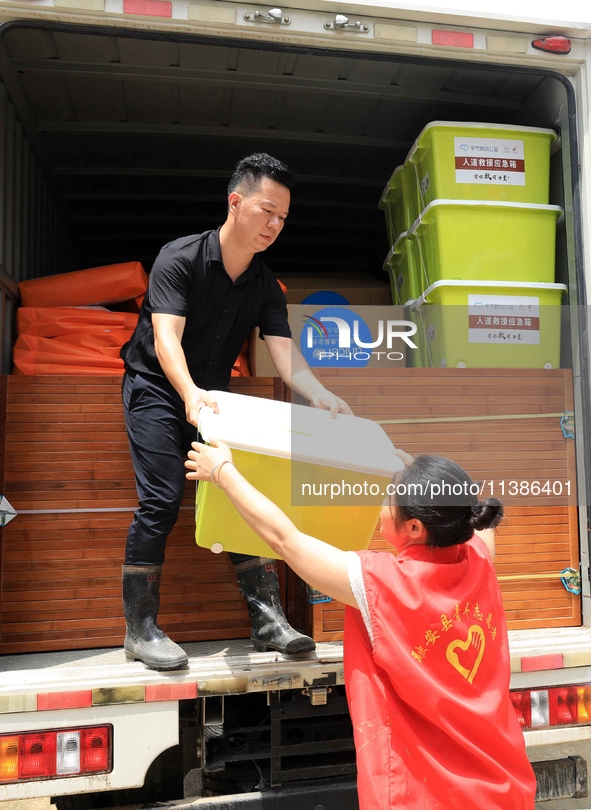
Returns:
<point x="434" y="726"/>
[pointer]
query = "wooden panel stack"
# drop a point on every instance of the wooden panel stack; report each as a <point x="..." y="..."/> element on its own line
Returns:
<point x="69" y="476"/>
<point x="493" y="422"/>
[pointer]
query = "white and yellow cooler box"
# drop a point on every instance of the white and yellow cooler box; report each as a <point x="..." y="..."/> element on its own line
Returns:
<point x="291" y="453"/>
<point x="475" y="161"/>
<point x="490" y="324"/>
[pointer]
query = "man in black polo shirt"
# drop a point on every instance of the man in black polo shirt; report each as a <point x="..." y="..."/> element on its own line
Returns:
<point x="206" y="294"/>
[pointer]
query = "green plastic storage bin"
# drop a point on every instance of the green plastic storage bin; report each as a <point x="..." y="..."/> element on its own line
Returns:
<point x="474" y="161"/>
<point x="472" y="240"/>
<point x="399" y="202"/>
<point x="403" y="268"/>
<point x="416" y="358"/>
<point x="487" y="324"/>
<point x="387" y="268"/>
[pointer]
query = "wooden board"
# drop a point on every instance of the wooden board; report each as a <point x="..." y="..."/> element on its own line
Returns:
<point x="66" y="454"/>
<point x="68" y="474"/>
<point x="493" y="422"/>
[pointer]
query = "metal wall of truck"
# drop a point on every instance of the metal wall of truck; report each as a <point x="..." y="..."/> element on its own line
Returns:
<point x="34" y="237"/>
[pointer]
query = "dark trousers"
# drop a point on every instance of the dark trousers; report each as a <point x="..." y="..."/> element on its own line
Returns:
<point x="159" y="439"/>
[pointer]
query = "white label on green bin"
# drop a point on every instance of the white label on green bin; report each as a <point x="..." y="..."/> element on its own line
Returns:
<point x="490" y="161"/>
<point x="425" y="183"/>
<point x="504" y="319"/>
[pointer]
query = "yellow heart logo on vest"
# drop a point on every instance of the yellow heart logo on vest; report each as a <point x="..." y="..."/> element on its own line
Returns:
<point x="475" y="641"/>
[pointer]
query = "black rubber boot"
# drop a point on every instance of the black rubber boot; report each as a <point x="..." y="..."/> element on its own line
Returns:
<point x="259" y="585"/>
<point x="144" y="640"/>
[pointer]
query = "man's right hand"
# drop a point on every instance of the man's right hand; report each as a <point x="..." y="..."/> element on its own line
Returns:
<point x="196" y="400"/>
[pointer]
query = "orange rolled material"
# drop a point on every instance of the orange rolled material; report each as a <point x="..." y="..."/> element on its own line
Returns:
<point x="69" y="355"/>
<point x="52" y="322"/>
<point x="108" y="343"/>
<point x="97" y="285"/>
<point x="241" y="367"/>
<point x="32" y="367"/>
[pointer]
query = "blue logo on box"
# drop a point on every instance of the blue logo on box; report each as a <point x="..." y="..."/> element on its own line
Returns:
<point x="325" y="298"/>
<point x="329" y="338"/>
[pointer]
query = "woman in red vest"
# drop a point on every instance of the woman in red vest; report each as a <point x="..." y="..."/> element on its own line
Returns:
<point x="426" y="652"/>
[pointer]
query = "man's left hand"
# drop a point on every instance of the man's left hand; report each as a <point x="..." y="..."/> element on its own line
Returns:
<point x="330" y="402"/>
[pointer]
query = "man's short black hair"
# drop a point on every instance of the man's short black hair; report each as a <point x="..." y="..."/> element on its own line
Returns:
<point x="250" y="171"/>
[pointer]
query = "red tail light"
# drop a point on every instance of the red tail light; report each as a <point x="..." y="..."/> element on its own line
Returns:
<point x="552" y="44"/>
<point x="96" y="750"/>
<point x="522" y="705"/>
<point x="36" y="755"/>
<point x="558" y="706"/>
<point x="55" y="754"/>
<point x="563" y="707"/>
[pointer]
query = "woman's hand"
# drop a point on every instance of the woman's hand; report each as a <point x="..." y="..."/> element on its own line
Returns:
<point x="204" y="458"/>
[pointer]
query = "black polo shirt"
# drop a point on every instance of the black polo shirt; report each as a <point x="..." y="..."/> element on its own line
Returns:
<point x="189" y="279"/>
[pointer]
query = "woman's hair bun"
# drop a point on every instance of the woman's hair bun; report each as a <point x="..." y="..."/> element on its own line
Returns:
<point x="486" y="514"/>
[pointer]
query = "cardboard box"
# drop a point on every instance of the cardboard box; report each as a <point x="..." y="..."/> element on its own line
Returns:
<point x="306" y="324"/>
<point x="356" y="288"/>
